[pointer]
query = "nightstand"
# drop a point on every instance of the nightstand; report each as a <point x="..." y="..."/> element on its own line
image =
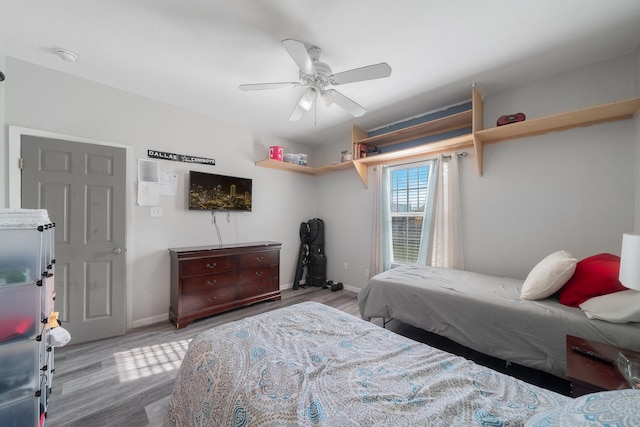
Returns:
<point x="588" y="375"/>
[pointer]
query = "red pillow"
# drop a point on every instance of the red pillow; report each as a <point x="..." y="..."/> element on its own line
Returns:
<point x="594" y="276"/>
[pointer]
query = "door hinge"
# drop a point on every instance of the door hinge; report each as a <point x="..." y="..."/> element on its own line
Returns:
<point x="20" y="163"/>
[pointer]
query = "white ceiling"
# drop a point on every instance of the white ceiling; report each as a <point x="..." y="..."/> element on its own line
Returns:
<point x="195" y="53"/>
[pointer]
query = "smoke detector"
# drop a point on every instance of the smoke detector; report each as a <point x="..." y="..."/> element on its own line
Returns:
<point x="66" y="55"/>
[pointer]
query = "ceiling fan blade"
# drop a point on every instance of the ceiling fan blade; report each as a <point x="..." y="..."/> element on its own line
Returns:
<point x="264" y="86"/>
<point x="369" y="72"/>
<point x="305" y="103"/>
<point x="299" y="53"/>
<point x="347" y="104"/>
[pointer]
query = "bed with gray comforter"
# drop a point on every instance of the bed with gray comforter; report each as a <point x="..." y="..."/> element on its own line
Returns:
<point x="485" y="313"/>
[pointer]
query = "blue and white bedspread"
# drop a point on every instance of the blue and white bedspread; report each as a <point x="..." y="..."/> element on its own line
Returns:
<point x="310" y="364"/>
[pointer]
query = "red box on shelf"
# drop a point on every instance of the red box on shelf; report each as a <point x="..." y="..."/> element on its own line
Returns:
<point x="276" y="152"/>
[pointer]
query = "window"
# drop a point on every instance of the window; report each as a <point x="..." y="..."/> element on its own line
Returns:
<point x="408" y="195"/>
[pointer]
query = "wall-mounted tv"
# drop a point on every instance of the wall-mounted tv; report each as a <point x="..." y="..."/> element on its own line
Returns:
<point x="209" y="191"/>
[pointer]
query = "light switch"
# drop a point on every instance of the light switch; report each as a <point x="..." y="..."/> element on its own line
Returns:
<point x="156" y="211"/>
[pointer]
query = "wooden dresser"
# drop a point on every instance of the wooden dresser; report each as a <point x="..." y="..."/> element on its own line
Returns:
<point x="206" y="280"/>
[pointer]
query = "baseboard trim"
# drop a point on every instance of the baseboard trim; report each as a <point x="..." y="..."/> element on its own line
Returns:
<point x="150" y="320"/>
<point x="352" y="288"/>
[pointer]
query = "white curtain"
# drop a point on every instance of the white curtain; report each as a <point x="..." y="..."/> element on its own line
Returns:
<point x="381" y="233"/>
<point x="446" y="247"/>
<point x="426" y="240"/>
<point x="441" y="238"/>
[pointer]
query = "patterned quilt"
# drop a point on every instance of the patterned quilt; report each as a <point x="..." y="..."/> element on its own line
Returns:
<point x="310" y="364"/>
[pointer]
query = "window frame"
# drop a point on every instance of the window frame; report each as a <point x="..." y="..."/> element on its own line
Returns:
<point x="423" y="198"/>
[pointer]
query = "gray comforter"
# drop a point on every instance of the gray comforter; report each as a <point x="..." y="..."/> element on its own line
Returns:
<point x="486" y="314"/>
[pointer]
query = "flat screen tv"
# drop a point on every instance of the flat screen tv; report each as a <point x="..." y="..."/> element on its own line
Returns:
<point x="209" y="192"/>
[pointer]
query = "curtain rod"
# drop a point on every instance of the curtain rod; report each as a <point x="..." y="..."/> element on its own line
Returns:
<point x="448" y="157"/>
<point x="463" y="154"/>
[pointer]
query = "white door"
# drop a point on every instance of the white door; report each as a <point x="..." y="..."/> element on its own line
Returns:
<point x="83" y="188"/>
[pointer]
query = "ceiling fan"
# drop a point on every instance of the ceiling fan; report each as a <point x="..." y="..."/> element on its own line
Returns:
<point x="315" y="75"/>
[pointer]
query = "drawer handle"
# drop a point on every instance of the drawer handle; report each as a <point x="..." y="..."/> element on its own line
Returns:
<point x="259" y="258"/>
<point x="259" y="273"/>
<point x="211" y="300"/>
<point x="259" y="288"/>
<point x="212" y="265"/>
<point x="211" y="283"/>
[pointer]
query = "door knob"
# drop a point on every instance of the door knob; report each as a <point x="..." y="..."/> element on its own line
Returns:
<point x="117" y="251"/>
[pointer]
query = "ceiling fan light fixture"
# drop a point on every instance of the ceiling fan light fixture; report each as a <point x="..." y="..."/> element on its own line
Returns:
<point x="316" y="75"/>
<point x="66" y="54"/>
<point x="308" y="98"/>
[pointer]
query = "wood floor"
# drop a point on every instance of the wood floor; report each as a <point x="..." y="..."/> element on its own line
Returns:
<point x="126" y="381"/>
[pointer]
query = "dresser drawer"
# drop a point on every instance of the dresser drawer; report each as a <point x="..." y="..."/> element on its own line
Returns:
<point x="202" y="300"/>
<point x="258" y="274"/>
<point x="257" y="288"/>
<point x="259" y="259"/>
<point x="209" y="282"/>
<point x="194" y="267"/>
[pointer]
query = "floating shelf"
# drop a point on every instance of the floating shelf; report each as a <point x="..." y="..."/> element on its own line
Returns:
<point x="451" y="144"/>
<point x="588" y="116"/>
<point x="473" y="118"/>
<point x="275" y="164"/>
<point x="434" y="127"/>
<point x="335" y="167"/>
<point x="462" y="120"/>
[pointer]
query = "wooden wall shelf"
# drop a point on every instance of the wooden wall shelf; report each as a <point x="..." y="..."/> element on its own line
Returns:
<point x="473" y="118"/>
<point x="434" y="127"/>
<point x="588" y="116"/>
<point x="275" y="164"/>
<point x="451" y="144"/>
<point x="463" y="120"/>
<point x="335" y="167"/>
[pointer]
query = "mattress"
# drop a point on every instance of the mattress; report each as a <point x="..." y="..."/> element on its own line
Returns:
<point x="486" y="314"/>
<point x="310" y="364"/>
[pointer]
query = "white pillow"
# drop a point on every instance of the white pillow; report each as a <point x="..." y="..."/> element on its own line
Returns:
<point x="548" y="276"/>
<point x="618" y="307"/>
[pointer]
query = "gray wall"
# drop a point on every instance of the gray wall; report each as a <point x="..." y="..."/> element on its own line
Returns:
<point x="576" y="190"/>
<point x="48" y="100"/>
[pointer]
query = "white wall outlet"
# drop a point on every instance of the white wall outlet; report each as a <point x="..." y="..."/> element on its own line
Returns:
<point x="345" y="265"/>
<point x="366" y="273"/>
<point x="156" y="211"/>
